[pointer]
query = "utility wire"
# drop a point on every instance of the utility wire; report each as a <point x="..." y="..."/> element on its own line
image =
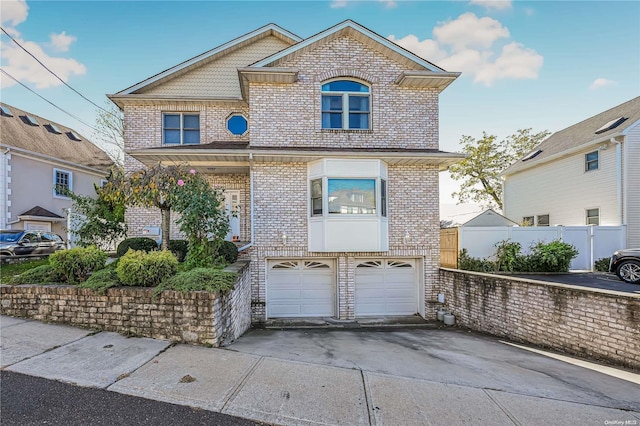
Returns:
<point x="53" y="73"/>
<point x="46" y="100"/>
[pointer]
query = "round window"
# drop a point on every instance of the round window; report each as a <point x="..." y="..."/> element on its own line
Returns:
<point x="237" y="124"/>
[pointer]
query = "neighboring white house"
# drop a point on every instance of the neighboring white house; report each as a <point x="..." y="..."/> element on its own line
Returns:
<point x="38" y="158"/>
<point x="586" y="174"/>
<point x="328" y="151"/>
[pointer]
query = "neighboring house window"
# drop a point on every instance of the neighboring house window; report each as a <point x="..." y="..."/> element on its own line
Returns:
<point x="62" y="182"/>
<point x="528" y="221"/>
<point x="345" y="105"/>
<point x="591" y="161"/>
<point x="180" y="129"/>
<point x="593" y="216"/>
<point x="542" y="220"/>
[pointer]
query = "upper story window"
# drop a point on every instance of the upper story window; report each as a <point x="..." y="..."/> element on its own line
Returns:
<point x="591" y="161"/>
<point x="62" y="182"/>
<point x="593" y="216"/>
<point x="237" y="124"/>
<point x="346" y="105"/>
<point x="180" y="128"/>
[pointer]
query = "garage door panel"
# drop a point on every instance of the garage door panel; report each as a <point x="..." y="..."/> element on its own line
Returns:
<point x="390" y="289"/>
<point x="297" y="288"/>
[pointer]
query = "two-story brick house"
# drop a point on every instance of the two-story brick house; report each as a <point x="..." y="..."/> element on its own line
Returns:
<point x="328" y="150"/>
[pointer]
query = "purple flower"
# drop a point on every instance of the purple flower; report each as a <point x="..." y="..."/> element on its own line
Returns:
<point x="192" y="171"/>
<point x="180" y="182"/>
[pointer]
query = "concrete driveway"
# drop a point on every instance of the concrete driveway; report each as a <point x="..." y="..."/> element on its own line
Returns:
<point x="447" y="356"/>
<point x="395" y="376"/>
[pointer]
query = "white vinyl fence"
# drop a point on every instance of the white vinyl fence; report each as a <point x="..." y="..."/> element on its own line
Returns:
<point x="592" y="242"/>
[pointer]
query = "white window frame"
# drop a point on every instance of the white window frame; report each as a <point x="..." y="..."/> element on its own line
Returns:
<point x="55" y="180"/>
<point x="236" y="114"/>
<point x="345" y="104"/>
<point x="182" y="128"/>
<point x="380" y="210"/>
<point x="528" y="220"/>
<point x="587" y="217"/>
<point x="548" y="219"/>
<point x="596" y="161"/>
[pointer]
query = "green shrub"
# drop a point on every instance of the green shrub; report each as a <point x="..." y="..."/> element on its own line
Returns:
<point x="508" y="256"/>
<point x="551" y="257"/>
<point x="137" y="268"/>
<point x="229" y="251"/>
<point x="179" y="248"/>
<point x="602" y="265"/>
<point x="200" y="279"/>
<point x="138" y="243"/>
<point x="43" y="274"/>
<point x="469" y="263"/>
<point x="75" y="265"/>
<point x="101" y="280"/>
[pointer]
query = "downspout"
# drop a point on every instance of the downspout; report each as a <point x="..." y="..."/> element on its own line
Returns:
<point x="4" y="192"/>
<point x="246" y="246"/>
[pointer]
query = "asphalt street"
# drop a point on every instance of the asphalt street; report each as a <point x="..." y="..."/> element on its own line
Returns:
<point x="27" y="400"/>
<point x="599" y="280"/>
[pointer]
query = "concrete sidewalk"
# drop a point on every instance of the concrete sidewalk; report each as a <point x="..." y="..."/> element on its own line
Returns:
<point x="283" y="382"/>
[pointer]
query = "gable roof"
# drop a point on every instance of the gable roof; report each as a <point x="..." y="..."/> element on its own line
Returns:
<point x="38" y="211"/>
<point x="594" y="130"/>
<point x="212" y="55"/>
<point x="43" y="139"/>
<point x="489" y="217"/>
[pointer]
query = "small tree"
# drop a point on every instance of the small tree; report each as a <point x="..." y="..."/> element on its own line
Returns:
<point x="202" y="218"/>
<point x="109" y="130"/>
<point x="486" y="159"/>
<point x="104" y="223"/>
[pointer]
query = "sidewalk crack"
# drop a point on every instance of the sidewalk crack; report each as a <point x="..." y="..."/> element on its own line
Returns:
<point x="237" y="388"/>
<point x="504" y="409"/>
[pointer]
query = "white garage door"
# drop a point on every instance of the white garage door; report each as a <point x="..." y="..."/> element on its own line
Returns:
<point x="300" y="288"/>
<point x="386" y="287"/>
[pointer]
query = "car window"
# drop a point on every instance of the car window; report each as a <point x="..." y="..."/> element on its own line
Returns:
<point x="30" y="237"/>
<point x="50" y="238"/>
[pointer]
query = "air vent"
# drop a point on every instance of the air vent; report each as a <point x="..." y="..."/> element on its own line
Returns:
<point x="53" y="128"/>
<point x="31" y="120"/>
<point x="611" y="125"/>
<point x="534" y="154"/>
<point x="73" y="136"/>
<point x="5" y="111"/>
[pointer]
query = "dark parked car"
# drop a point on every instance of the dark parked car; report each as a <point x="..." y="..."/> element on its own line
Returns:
<point x="626" y="265"/>
<point x="16" y="242"/>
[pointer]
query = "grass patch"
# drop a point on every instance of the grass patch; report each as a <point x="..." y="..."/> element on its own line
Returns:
<point x="43" y="274"/>
<point x="10" y="270"/>
<point x="199" y="279"/>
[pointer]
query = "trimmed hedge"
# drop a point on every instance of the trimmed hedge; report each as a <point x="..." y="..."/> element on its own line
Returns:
<point x="43" y="274"/>
<point x="77" y="264"/>
<point x="141" y="269"/>
<point x="179" y="248"/>
<point x="137" y="243"/>
<point x="229" y="251"/>
<point x="200" y="279"/>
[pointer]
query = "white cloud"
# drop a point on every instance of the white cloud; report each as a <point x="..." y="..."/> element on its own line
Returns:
<point x="389" y="4"/>
<point x="336" y="4"/>
<point x="493" y="4"/>
<point x="13" y="12"/>
<point x="61" y="41"/>
<point x="470" y="31"/>
<point x="21" y="65"/>
<point x="428" y="49"/>
<point x="24" y="68"/>
<point x="601" y="82"/>
<point x="476" y="47"/>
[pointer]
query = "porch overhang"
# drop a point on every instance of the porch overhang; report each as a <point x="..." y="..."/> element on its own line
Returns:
<point x="238" y="160"/>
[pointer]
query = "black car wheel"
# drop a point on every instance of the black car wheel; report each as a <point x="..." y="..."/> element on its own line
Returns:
<point x="629" y="271"/>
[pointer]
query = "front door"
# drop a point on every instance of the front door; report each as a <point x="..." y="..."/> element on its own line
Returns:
<point x="232" y="206"/>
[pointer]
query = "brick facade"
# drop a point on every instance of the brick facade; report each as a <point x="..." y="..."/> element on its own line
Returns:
<point x="289" y="116"/>
<point x="596" y="324"/>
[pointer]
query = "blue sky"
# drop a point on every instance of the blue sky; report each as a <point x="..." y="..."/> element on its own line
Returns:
<point x="539" y="64"/>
